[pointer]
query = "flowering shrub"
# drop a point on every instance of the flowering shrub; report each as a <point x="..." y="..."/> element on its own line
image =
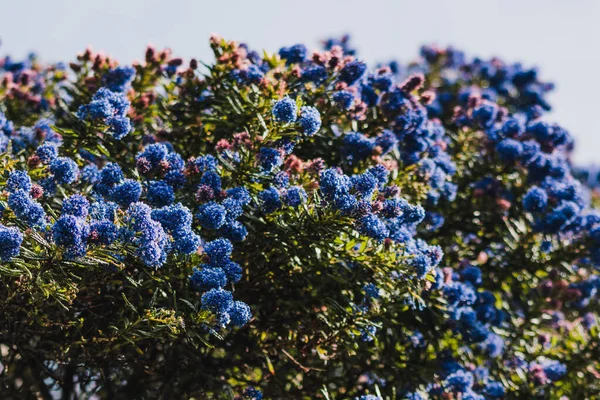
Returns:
<point x="292" y="225"/>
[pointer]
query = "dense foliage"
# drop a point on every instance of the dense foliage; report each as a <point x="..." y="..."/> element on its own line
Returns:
<point x="291" y="225"/>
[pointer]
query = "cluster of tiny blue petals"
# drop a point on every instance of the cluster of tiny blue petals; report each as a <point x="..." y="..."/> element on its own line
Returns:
<point x="10" y="242"/>
<point x="285" y="110"/>
<point x="119" y="78"/>
<point x="110" y="108"/>
<point x="212" y="277"/>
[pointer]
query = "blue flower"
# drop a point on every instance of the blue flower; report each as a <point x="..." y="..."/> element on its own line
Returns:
<point x="117" y="105"/>
<point x="364" y="184"/>
<point x="494" y="389"/>
<point x="18" y="180"/>
<point x="393" y="208"/>
<point x="380" y="173"/>
<point x="352" y="72"/>
<point x="212" y="215"/>
<point x="411" y="214"/>
<point x="553" y="369"/>
<point x="370" y="225"/>
<point x="471" y="274"/>
<point x="269" y="158"/>
<point x="494" y="345"/>
<point x="71" y="233"/>
<point x="217" y="300"/>
<point x="160" y="193"/>
<point x="208" y="278"/>
<point x="232" y="270"/>
<point x="26" y="209"/>
<point x="285" y="110"/>
<point x="240" y="313"/>
<point x="234" y="230"/>
<point x="368" y="334"/>
<point x="119" y="126"/>
<point x="65" y="170"/>
<point x="294" y="196"/>
<point x="387" y="141"/>
<point x="118" y="79"/>
<point x="206" y="163"/>
<point x="509" y="149"/>
<point x="343" y="99"/>
<point x="281" y="179"/>
<point x="449" y="191"/>
<point x="110" y="108"/>
<point x="127" y="192"/>
<point x="76" y="205"/>
<point x="253" y="394"/>
<point x="154" y="153"/>
<point x="173" y="218"/>
<point x="241" y="194"/>
<point x="459" y="381"/>
<point x="314" y="73"/>
<point x="310" y="120"/>
<point x="185" y="241"/>
<point x="211" y="179"/>
<point x="152" y="242"/>
<point x="176" y="179"/>
<point x="512" y="127"/>
<point x="233" y="208"/>
<point x="293" y="54"/>
<point x="270" y="200"/>
<point x="111" y="174"/>
<point x="434" y="221"/>
<point x="535" y="199"/>
<point x="458" y="293"/>
<point x="346" y="203"/>
<point x="248" y="75"/>
<point x="10" y="243"/>
<point x="47" y="153"/>
<point x="333" y="183"/>
<point x="101" y="209"/>
<point x="485" y="114"/>
<point x="563" y="214"/>
<point x="103" y="232"/>
<point x="218" y="251"/>
<point x="371" y="291"/>
<point x="368" y="397"/>
<point x="356" y="147"/>
<point x="394" y="102"/>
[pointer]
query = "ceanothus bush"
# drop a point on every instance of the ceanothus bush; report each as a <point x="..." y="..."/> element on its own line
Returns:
<point x="292" y="225"/>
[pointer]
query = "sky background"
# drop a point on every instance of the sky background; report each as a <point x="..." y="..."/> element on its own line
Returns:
<point x="561" y="37"/>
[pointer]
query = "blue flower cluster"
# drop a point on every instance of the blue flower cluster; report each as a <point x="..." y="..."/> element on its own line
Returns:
<point x="379" y="213"/>
<point x="554" y="197"/>
<point x="10" y="243"/>
<point x="110" y="109"/>
<point x="473" y="313"/>
<point x="119" y="78"/>
<point x="516" y="86"/>
<point x="417" y="137"/>
<point x="285" y="110"/>
<point x="27" y="137"/>
<point x="22" y="204"/>
<point x="544" y="370"/>
<point x="154" y="233"/>
<point x="462" y="382"/>
<point x="213" y="276"/>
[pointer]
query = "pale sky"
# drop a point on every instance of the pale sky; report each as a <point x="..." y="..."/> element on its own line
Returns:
<point x="562" y="37"/>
